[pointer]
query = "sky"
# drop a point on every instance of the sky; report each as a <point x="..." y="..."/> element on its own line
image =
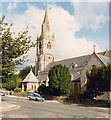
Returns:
<point x="77" y="26"/>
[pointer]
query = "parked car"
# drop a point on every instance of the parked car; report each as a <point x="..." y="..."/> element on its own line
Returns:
<point x="35" y="96"/>
<point x="2" y="93"/>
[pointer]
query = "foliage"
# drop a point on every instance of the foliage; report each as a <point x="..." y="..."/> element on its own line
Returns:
<point x="44" y="90"/>
<point x="10" y="93"/>
<point x="12" y="49"/>
<point x="36" y="91"/>
<point x="19" y="82"/>
<point x="98" y="80"/>
<point x="18" y="90"/>
<point x="59" y="80"/>
<point x="10" y="84"/>
<point x="24" y="72"/>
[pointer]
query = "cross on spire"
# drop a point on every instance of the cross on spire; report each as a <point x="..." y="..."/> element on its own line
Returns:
<point x="94" y="47"/>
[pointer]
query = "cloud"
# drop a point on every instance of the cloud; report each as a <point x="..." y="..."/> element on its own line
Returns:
<point x="11" y="6"/>
<point x="63" y="25"/>
<point x="91" y="14"/>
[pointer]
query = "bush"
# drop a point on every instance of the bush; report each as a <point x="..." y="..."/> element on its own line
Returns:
<point x="98" y="80"/>
<point x="18" y="90"/>
<point x="10" y="93"/>
<point x="10" y="85"/>
<point x="44" y="90"/>
<point x="59" y="80"/>
<point x="27" y="92"/>
<point x="35" y="91"/>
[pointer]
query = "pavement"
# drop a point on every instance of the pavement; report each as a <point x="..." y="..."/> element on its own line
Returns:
<point x="5" y="106"/>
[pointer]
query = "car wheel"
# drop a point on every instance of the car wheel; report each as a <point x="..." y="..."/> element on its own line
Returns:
<point x="36" y="99"/>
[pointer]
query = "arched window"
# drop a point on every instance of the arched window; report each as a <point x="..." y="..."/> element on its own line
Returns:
<point x="76" y="88"/>
<point x="40" y="47"/>
<point x="49" y="45"/>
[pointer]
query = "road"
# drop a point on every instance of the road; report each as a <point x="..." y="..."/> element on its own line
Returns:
<point x="50" y="109"/>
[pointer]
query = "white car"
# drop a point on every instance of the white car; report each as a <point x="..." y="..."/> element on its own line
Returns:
<point x="2" y="93"/>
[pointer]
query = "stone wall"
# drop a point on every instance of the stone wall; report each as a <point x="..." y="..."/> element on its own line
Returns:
<point x="94" y="60"/>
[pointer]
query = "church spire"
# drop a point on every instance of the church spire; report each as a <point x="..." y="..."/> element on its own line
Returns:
<point x="45" y="25"/>
<point x="46" y="17"/>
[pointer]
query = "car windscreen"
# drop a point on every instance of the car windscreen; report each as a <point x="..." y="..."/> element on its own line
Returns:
<point x="37" y="96"/>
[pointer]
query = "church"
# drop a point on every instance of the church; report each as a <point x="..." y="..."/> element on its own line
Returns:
<point x="45" y="60"/>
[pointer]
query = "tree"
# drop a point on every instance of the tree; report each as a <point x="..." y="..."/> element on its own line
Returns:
<point x="12" y="49"/>
<point x="11" y="82"/>
<point x="24" y="72"/>
<point x="98" y="80"/>
<point x="19" y="82"/>
<point x="59" y="80"/>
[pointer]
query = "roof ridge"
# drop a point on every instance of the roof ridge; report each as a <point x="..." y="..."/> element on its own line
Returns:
<point x="72" y="58"/>
<point x="103" y="56"/>
<point x="82" y="56"/>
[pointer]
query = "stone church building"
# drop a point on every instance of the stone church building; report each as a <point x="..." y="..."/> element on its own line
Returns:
<point x="77" y="65"/>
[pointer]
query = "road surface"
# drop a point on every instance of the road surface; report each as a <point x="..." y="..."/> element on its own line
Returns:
<point x="51" y="109"/>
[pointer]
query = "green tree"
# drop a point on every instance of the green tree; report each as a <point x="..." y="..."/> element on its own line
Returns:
<point x="98" y="80"/>
<point x="19" y="82"/>
<point x="59" y="80"/>
<point x="12" y="49"/>
<point x="11" y="83"/>
<point x="24" y="72"/>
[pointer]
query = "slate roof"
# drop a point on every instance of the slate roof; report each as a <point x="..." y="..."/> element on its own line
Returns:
<point x="81" y="60"/>
<point x="104" y="59"/>
<point x="76" y="78"/>
<point x="106" y="53"/>
<point x="30" y="78"/>
<point x="42" y="77"/>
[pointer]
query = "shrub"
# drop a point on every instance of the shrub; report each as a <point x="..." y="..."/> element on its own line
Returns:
<point x="18" y="90"/>
<point x="10" y="93"/>
<point x="45" y="90"/>
<point x="10" y="85"/>
<point x="35" y="91"/>
<point x="59" y="80"/>
<point x="27" y="92"/>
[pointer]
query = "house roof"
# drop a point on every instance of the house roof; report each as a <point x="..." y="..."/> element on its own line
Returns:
<point x="30" y="78"/>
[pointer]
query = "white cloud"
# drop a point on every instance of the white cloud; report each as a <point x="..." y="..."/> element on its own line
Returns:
<point x="91" y="14"/>
<point x="11" y="6"/>
<point x="63" y="25"/>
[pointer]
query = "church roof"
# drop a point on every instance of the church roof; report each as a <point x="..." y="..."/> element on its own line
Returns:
<point x="104" y="59"/>
<point x="106" y="53"/>
<point x="80" y="61"/>
<point x="30" y="78"/>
